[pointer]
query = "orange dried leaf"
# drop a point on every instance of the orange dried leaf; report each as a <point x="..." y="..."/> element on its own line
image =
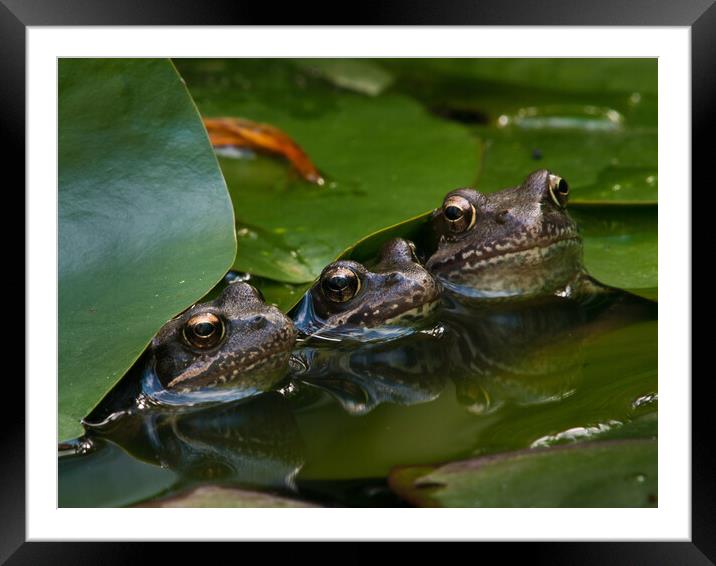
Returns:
<point x="240" y="132"/>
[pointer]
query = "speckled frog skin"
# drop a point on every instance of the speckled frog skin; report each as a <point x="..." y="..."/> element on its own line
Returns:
<point x="236" y="339"/>
<point x="519" y="242"/>
<point x="348" y="295"/>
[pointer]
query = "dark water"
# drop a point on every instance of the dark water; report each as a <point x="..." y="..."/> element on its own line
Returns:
<point x="482" y="381"/>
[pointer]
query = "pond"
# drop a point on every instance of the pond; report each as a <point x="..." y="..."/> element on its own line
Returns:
<point x="545" y="402"/>
<point x="488" y="382"/>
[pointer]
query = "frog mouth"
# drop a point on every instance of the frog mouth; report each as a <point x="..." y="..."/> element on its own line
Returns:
<point x="414" y="314"/>
<point x="230" y="369"/>
<point x="544" y="247"/>
<point x="473" y="259"/>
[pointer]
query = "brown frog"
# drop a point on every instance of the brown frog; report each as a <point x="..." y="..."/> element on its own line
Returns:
<point x="349" y="296"/>
<point x="236" y="340"/>
<point x="519" y="242"/>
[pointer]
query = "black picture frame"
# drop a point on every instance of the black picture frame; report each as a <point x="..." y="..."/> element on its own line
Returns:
<point x="17" y="15"/>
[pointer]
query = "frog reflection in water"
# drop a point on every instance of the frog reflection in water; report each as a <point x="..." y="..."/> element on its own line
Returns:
<point x="236" y="339"/>
<point x="361" y="376"/>
<point x="253" y="442"/>
<point x="516" y="243"/>
<point x="351" y="299"/>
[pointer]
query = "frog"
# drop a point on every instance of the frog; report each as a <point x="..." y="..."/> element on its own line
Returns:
<point x="236" y="340"/>
<point x="516" y="243"/>
<point x="350" y="296"/>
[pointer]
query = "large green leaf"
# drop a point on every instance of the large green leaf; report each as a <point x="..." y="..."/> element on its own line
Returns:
<point x="618" y="473"/>
<point x="611" y="166"/>
<point x="385" y="158"/>
<point x="592" y="120"/>
<point x="146" y="224"/>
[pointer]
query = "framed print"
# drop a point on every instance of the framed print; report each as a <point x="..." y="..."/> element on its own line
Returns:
<point x="423" y="280"/>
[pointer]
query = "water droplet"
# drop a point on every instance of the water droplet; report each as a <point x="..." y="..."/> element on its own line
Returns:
<point x="436" y="331"/>
<point x="233" y="152"/>
<point x="564" y="117"/>
<point x="236" y="276"/>
<point x="645" y="400"/>
<point x="246" y="233"/>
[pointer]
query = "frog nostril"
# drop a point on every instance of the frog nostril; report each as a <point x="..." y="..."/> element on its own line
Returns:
<point x="393" y="278"/>
<point x="258" y="322"/>
<point x="501" y="217"/>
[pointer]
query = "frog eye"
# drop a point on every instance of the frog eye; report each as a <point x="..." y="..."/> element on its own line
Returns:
<point x="459" y="213"/>
<point x="204" y="331"/>
<point x="558" y="190"/>
<point x="340" y="284"/>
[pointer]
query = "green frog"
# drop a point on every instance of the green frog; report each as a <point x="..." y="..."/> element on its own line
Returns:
<point x="236" y="340"/>
<point x="519" y="242"/>
<point x="350" y="296"/>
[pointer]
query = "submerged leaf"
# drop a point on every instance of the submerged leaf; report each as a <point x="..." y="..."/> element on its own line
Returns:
<point x="619" y="473"/>
<point x="214" y="496"/>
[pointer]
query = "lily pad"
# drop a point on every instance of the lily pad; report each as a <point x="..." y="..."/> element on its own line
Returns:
<point x="283" y="295"/>
<point x="593" y="121"/>
<point x="145" y="220"/>
<point x="621" y="245"/>
<point x="214" y="496"/>
<point x="612" y="166"/>
<point x="260" y="251"/>
<point x="480" y="91"/>
<point x="384" y="158"/>
<point x="562" y="74"/>
<point x="619" y="473"/>
<point x="359" y="75"/>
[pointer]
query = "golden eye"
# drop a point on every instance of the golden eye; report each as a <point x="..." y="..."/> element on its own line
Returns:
<point x="558" y="190"/>
<point x="459" y="213"/>
<point x="204" y="331"/>
<point x="340" y="284"/>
